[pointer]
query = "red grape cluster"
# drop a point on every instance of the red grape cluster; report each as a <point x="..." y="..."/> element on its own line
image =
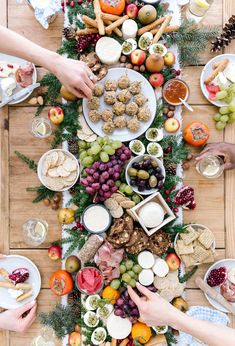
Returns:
<point x="217" y="277"/>
<point x="101" y="176"/>
<point x="83" y="41"/>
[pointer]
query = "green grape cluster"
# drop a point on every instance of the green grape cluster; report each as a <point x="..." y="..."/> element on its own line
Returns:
<point x="226" y="94"/>
<point x="101" y="149"/>
<point x="225" y="116"/>
<point x="129" y="273"/>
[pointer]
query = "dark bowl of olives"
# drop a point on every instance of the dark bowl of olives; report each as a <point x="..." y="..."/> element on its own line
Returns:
<point x="145" y="174"/>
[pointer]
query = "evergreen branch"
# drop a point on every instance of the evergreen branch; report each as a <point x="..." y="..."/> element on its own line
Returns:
<point x="179" y="151"/>
<point x="68" y="48"/>
<point x="81" y="199"/>
<point x="31" y="163"/>
<point x="170" y="338"/>
<point x="187" y="275"/>
<point x="42" y="193"/>
<point x="173" y="230"/>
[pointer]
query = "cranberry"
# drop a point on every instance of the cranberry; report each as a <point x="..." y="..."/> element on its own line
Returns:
<point x="80" y="2"/>
<point x="175" y="210"/>
<point x="67" y="2"/>
<point x="168" y="150"/>
<point x="167" y="192"/>
<point x="74" y="228"/>
<point x="72" y="3"/>
<point x="10" y="65"/>
<point x="173" y="188"/>
<point x="178" y="72"/>
<point x="168" y="199"/>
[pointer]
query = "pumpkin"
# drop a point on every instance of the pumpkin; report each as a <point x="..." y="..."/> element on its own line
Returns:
<point x="141" y="332"/>
<point x="110" y="294"/>
<point x="196" y="134"/>
<point x="61" y="282"/>
<point x="113" y="6"/>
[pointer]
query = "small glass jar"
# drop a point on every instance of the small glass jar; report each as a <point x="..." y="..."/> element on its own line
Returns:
<point x="197" y="9"/>
<point x="84" y="289"/>
<point x="210" y="167"/>
<point x="41" y="127"/>
<point x="35" y="232"/>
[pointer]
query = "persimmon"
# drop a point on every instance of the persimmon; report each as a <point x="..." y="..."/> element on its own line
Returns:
<point x="111" y="294"/>
<point x="196" y="134"/>
<point x="61" y="282"/>
<point x="141" y="332"/>
<point x="113" y="6"/>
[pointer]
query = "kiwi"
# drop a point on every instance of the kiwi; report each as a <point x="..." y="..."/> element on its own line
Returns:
<point x="147" y="14"/>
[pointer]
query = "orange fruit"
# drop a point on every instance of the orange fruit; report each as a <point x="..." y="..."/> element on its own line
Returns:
<point x="141" y="332"/>
<point x="110" y="294"/>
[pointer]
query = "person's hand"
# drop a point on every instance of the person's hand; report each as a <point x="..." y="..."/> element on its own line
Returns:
<point x="13" y="320"/>
<point x="153" y="309"/>
<point x="226" y="150"/>
<point x="75" y="76"/>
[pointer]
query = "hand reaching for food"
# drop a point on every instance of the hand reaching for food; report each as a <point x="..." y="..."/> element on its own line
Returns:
<point x="226" y="150"/>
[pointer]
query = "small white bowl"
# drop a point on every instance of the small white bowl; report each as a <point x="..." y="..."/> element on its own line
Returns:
<point x="40" y="163"/>
<point x="138" y="159"/>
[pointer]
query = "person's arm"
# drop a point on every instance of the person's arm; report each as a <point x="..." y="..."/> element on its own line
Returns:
<point x="74" y="75"/>
<point x="155" y="311"/>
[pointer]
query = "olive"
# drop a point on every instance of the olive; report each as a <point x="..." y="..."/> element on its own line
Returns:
<point x="146" y="158"/>
<point x="151" y="171"/>
<point x="143" y="174"/>
<point x="154" y="163"/>
<point x="158" y="170"/>
<point x="132" y="172"/>
<point x="153" y="181"/>
<point x="135" y="165"/>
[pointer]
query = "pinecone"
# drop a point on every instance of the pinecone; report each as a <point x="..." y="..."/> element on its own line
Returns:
<point x="226" y="36"/>
<point x="74" y="297"/>
<point x="69" y="33"/>
<point x="73" y="146"/>
<point x="170" y="168"/>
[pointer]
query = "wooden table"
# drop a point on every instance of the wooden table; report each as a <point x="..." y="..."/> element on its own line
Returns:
<point x="215" y="199"/>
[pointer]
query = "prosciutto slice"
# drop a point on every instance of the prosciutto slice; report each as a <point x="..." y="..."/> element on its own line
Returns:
<point x="24" y="75"/>
<point x="227" y="290"/>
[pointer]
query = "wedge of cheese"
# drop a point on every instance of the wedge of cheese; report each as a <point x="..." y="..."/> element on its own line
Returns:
<point x="229" y="72"/>
<point x="108" y="50"/>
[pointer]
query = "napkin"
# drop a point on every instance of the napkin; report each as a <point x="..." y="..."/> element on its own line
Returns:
<point x="206" y="314"/>
<point x="45" y="10"/>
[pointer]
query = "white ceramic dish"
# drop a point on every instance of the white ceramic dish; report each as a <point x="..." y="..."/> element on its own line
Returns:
<point x="137" y="159"/>
<point x="227" y="263"/>
<point x="124" y="134"/>
<point x="22" y="63"/>
<point x="207" y="70"/>
<point x="40" y="163"/>
<point x="13" y="262"/>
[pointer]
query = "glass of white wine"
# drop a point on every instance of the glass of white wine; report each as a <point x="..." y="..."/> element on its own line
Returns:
<point x="45" y="338"/>
<point x="210" y="167"/>
<point x="41" y="127"/>
<point x="35" y="231"/>
<point x="197" y="9"/>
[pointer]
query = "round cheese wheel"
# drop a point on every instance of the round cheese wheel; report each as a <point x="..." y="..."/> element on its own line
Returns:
<point x="118" y="328"/>
<point x="146" y="277"/>
<point x="151" y="214"/>
<point x="160" y="268"/>
<point x="146" y="259"/>
<point x="108" y="50"/>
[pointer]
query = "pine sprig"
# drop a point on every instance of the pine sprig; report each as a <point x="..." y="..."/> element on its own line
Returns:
<point x="31" y="163"/>
<point x="173" y="230"/>
<point x="81" y="199"/>
<point x="187" y="275"/>
<point x="170" y="338"/>
<point x="78" y="10"/>
<point x="42" y="193"/>
<point x="191" y="40"/>
<point x="178" y="152"/>
<point x="62" y="319"/>
<point x="68" y="48"/>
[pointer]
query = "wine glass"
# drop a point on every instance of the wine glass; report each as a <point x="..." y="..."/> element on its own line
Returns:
<point x="35" y="231"/>
<point x="210" y="167"/>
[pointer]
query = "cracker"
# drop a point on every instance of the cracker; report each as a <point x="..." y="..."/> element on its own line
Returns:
<point x="53" y="172"/>
<point x="173" y="275"/>
<point x="206" y="238"/>
<point x="167" y="294"/>
<point x="188" y="260"/>
<point x="46" y="165"/>
<point x="211" y="257"/>
<point x="61" y="158"/>
<point x="184" y="249"/>
<point x="118" y="197"/>
<point x="178" y="291"/>
<point x="72" y="176"/>
<point x="161" y="283"/>
<point x="127" y="204"/>
<point x="54" y="158"/>
<point x="190" y="235"/>
<point x="111" y="204"/>
<point x="200" y="253"/>
<point x="91" y="138"/>
<point x="54" y="183"/>
<point x="116" y="213"/>
<point x="70" y="164"/>
<point x="81" y="135"/>
<point x="62" y="172"/>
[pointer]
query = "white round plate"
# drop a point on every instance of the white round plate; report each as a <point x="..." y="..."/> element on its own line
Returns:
<point x="227" y="263"/>
<point x="39" y="168"/>
<point x="21" y="62"/>
<point x="206" y="72"/>
<point x="11" y="263"/>
<point x="124" y="134"/>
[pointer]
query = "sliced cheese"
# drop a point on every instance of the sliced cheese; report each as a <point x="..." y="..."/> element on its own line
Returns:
<point x="118" y="328"/>
<point x="108" y="50"/>
<point x="229" y="72"/>
<point x="221" y="80"/>
<point x="146" y="277"/>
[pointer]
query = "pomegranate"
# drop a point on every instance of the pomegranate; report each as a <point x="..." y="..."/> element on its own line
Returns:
<point x="19" y="275"/>
<point x="217" y="277"/>
<point x="185" y="197"/>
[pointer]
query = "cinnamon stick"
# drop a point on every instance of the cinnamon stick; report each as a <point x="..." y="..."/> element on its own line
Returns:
<point x="115" y="24"/>
<point x="162" y="28"/>
<point x="107" y="16"/>
<point x="151" y="26"/>
<point x="116" y="30"/>
<point x="87" y="31"/>
<point x="170" y="28"/>
<point x="99" y="19"/>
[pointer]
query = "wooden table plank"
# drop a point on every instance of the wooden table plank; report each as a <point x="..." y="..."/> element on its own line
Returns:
<point x="191" y="75"/>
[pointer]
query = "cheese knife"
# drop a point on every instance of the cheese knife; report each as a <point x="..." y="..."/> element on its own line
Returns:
<point x="19" y="94"/>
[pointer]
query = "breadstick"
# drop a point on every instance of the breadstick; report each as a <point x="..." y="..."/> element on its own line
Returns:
<point x="116" y="30"/>
<point x="89" y="21"/>
<point x="151" y="26"/>
<point x="6" y="284"/>
<point x="170" y="28"/>
<point x="216" y="64"/>
<point x="218" y="69"/>
<point x="87" y="31"/>
<point x="124" y="342"/>
<point x="115" y="24"/>
<point x="23" y="286"/>
<point x="4" y="273"/>
<point x="99" y="19"/>
<point x="24" y="296"/>
<point x="162" y="28"/>
<point x="113" y="342"/>
<point x="112" y="17"/>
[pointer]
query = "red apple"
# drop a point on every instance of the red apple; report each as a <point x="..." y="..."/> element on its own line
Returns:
<point x="138" y="57"/>
<point x="171" y="125"/>
<point x="169" y="58"/>
<point x="56" y="115"/>
<point x="173" y="261"/>
<point x="55" y="252"/>
<point x="156" y="80"/>
<point x="75" y="339"/>
<point x="132" y="11"/>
